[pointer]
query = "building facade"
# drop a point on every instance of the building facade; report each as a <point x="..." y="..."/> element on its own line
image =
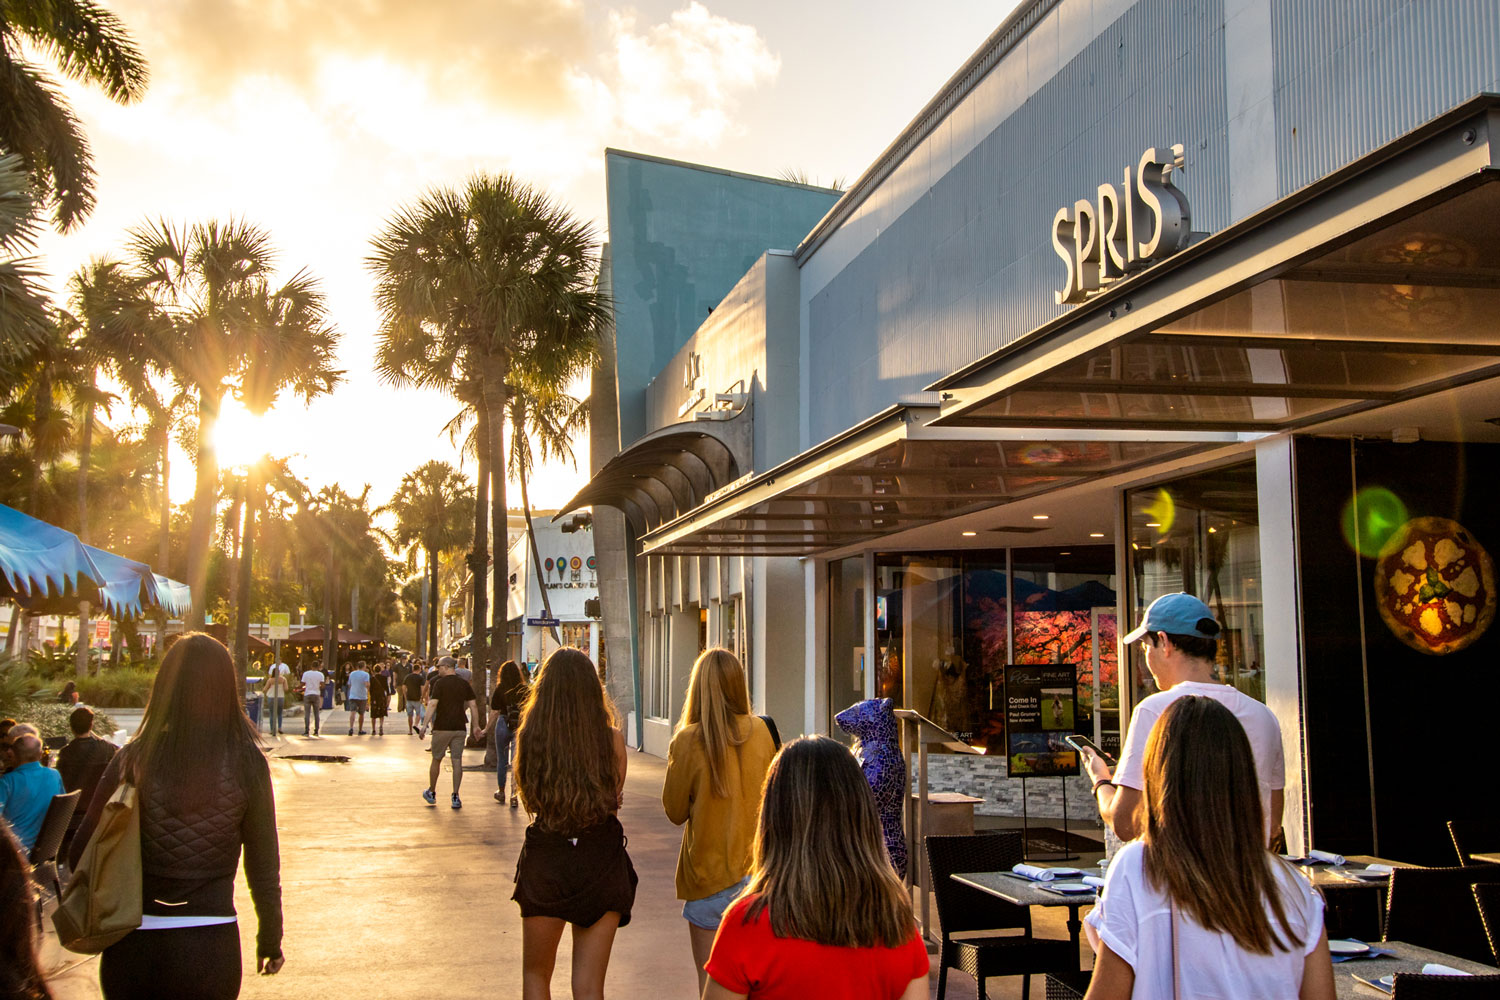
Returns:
<point x="1152" y="296"/>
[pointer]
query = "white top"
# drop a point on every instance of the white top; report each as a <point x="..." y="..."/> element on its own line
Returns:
<point x="312" y="682"/>
<point x="1260" y="726"/>
<point x="1135" y="920"/>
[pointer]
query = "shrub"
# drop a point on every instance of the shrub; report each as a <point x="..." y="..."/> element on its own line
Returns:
<point x="51" y="718"/>
<point x="121" y="687"/>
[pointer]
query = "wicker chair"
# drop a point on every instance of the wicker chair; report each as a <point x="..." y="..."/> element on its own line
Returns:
<point x="1471" y="837"/>
<point x="1434" y="908"/>
<point x="1413" y="986"/>
<point x="43" y="858"/>
<point x="1488" y="898"/>
<point x="1068" y="985"/>
<point x="962" y="908"/>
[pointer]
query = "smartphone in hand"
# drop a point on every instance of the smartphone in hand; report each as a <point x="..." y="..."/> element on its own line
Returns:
<point x="1083" y="743"/>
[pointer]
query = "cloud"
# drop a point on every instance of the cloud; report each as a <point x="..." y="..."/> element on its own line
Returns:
<point x="681" y="80"/>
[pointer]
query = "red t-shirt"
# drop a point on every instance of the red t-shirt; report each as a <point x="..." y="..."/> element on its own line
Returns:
<point x="749" y="959"/>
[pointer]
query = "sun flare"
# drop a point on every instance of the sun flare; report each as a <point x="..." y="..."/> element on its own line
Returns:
<point x="239" y="435"/>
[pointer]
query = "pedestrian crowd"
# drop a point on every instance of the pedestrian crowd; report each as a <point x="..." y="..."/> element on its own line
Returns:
<point x="787" y="886"/>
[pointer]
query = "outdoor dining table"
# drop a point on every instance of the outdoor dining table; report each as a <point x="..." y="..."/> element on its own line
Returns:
<point x="1406" y="958"/>
<point x="1328" y="878"/>
<point x="1023" y="891"/>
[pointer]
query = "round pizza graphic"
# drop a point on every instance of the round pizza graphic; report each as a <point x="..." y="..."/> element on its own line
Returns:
<point x="1435" y="585"/>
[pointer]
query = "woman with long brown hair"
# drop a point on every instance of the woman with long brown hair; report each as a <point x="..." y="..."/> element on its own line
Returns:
<point x="505" y="705"/>
<point x="715" y="768"/>
<point x="21" y="975"/>
<point x="573" y="869"/>
<point x="204" y="792"/>
<point x="1198" y="906"/>
<point x="824" y="914"/>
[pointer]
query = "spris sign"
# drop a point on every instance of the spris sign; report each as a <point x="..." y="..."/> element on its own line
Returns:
<point x="1124" y="227"/>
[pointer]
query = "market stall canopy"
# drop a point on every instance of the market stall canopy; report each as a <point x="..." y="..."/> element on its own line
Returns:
<point x="129" y="587"/>
<point x="40" y="560"/>
<point x="316" y="636"/>
<point x="174" y="598"/>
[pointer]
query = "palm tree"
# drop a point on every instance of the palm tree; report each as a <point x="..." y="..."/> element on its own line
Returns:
<point x="229" y="331"/>
<point x="433" y="508"/>
<point x="86" y="43"/>
<point x="23" y="303"/>
<point x="475" y="279"/>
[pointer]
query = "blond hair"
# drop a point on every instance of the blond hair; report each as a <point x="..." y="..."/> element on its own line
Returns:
<point x="716" y="697"/>
<point x="565" y="754"/>
<point x="819" y="864"/>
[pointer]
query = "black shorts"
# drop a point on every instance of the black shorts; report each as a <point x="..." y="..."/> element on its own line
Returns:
<point x="577" y="879"/>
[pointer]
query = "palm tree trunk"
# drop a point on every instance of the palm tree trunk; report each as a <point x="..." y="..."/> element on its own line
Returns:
<point x="204" y="502"/>
<point x="424" y="649"/>
<point x="432" y="618"/>
<point x="536" y="559"/>
<point x="496" y="369"/>
<point x="520" y="451"/>
<point x="164" y="547"/>
<point x="246" y="577"/>
<point x="479" y="565"/>
<point x="331" y="624"/>
<point x="85" y="445"/>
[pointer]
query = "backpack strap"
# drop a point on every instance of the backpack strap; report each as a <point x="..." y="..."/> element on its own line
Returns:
<point x="771" y="726"/>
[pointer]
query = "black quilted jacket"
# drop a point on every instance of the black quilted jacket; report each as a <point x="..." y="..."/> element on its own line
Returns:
<point x="189" y="854"/>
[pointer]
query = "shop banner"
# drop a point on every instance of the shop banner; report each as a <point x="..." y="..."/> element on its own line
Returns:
<point x="1041" y="702"/>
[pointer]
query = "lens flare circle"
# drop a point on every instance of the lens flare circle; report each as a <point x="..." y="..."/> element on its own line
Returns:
<point x="1369" y="519"/>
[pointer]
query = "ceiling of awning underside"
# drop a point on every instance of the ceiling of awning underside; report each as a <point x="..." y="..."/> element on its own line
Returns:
<point x="909" y="483"/>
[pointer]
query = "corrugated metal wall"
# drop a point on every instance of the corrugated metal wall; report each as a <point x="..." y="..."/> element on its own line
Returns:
<point x="969" y="267"/>
<point x="1353" y="75"/>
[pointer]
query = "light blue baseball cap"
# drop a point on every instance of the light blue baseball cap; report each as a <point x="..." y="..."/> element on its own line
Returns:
<point x="1177" y="614"/>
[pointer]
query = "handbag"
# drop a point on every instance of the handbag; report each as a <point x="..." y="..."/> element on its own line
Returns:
<point x="102" y="901"/>
<point x="771" y="727"/>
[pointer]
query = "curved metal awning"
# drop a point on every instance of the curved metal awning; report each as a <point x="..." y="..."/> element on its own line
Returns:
<point x="670" y="471"/>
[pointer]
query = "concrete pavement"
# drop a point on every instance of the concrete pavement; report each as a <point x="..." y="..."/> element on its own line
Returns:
<point x="387" y="898"/>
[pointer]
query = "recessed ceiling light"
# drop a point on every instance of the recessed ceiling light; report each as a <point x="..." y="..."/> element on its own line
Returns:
<point x="1039" y="517"/>
<point x="968" y="534"/>
<point x="1096" y="534"/>
<point x="1065" y="553"/>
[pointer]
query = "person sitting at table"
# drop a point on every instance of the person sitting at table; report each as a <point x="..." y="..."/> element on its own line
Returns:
<point x="1181" y="640"/>
<point x="1198" y="906"/>
<point x="824" y="914"/>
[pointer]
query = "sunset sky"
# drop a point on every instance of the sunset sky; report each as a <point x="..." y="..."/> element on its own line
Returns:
<point x="316" y="119"/>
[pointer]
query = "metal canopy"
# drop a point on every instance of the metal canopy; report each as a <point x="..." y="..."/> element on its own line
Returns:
<point x="1374" y="286"/>
<point x="670" y="470"/>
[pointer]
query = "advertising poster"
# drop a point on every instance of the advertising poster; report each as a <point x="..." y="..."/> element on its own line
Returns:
<point x="1041" y="703"/>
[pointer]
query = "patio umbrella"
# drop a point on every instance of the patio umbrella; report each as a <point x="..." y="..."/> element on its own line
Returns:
<point x="38" y="559"/>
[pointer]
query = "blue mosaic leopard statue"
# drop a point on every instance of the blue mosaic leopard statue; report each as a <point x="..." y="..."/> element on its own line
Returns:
<point x="873" y="724"/>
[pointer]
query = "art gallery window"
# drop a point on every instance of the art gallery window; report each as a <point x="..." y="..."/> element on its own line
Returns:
<point x="1201" y="534"/>
<point x="846" y="638"/>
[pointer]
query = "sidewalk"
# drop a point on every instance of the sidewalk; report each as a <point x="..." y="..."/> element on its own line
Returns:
<point x="387" y="898"/>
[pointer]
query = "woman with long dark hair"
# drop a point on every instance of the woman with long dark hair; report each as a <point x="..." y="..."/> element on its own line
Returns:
<point x="573" y="869"/>
<point x="20" y="974"/>
<point x="505" y="703"/>
<point x="824" y="914"/>
<point x="1198" y="906"/>
<point x="715" y="769"/>
<point x="204" y="791"/>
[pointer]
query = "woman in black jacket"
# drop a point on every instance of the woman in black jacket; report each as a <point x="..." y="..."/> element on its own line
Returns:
<point x="204" y="791"/>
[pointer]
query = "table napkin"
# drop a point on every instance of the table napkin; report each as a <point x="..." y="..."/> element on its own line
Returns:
<point x="1093" y="880"/>
<point x="1035" y="873"/>
<point x="1434" y="969"/>
<point x="1325" y="856"/>
<point x="1378" y="868"/>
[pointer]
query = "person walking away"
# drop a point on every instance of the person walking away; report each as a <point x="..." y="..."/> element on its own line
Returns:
<point x="824" y="914"/>
<point x="573" y="869"/>
<point x="341" y="682"/>
<point x="1198" y="907"/>
<point x="278" y="680"/>
<point x="357" y="695"/>
<point x="412" y="685"/>
<point x="26" y="790"/>
<point x="80" y="764"/>
<point x="505" y="703"/>
<point x="312" y="699"/>
<point x="463" y="670"/>
<point x="21" y="974"/>
<point x="204" y="797"/>
<point x="716" y="767"/>
<point x="1180" y="635"/>
<point x="380" y="701"/>
<point x="450" y="707"/>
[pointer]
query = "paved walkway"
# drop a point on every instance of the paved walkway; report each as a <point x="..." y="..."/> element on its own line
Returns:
<point x="387" y="898"/>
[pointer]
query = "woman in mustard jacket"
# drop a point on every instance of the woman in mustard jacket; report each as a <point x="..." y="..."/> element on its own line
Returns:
<point x="715" y="769"/>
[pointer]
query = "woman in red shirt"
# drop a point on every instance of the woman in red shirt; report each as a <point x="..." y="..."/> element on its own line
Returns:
<point x="824" y="914"/>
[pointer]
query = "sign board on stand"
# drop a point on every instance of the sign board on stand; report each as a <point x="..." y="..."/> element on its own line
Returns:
<point x="101" y="632"/>
<point x="1041" y="701"/>
<point x="280" y="623"/>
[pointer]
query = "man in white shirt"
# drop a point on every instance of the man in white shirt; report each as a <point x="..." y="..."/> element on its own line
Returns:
<point x="278" y="679"/>
<point x="312" y="700"/>
<point x="1181" y="638"/>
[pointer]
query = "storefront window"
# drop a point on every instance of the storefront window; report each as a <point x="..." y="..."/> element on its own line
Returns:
<point x="658" y="659"/>
<point x="1201" y="535"/>
<point x="846" y="638"/>
<point x="1065" y="612"/>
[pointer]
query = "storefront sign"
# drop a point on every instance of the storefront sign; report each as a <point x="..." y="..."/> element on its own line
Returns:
<point x="1123" y="228"/>
<point x="281" y="624"/>
<point x="1041" y="702"/>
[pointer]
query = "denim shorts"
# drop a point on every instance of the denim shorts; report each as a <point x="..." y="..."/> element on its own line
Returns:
<point x="708" y="911"/>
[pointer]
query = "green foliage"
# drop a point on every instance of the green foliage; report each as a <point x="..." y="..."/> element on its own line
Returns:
<point x="51" y="718"/>
<point x="403" y="634"/>
<point x="121" y="687"/>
